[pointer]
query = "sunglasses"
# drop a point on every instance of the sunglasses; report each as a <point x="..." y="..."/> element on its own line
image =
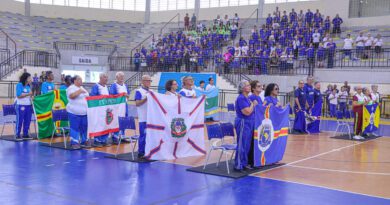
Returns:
<point x="276" y="88"/>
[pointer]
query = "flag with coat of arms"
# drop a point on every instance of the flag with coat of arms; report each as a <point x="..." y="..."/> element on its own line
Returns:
<point x="371" y="116"/>
<point x="270" y="136"/>
<point x="103" y="112"/>
<point x="174" y="127"/>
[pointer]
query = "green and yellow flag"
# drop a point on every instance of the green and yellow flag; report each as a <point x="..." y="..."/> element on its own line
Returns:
<point x="43" y="105"/>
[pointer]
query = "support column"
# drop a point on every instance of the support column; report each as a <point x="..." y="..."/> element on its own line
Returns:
<point x="196" y="8"/>
<point x="147" y="12"/>
<point x="27" y="8"/>
<point x="260" y="7"/>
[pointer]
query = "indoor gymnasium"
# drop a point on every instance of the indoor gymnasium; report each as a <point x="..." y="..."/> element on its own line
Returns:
<point x="195" y="102"/>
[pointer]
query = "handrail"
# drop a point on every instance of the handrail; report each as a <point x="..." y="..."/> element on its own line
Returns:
<point x="246" y="20"/>
<point x="9" y="37"/>
<point x="178" y="22"/>
<point x="78" y="45"/>
<point x="139" y="44"/>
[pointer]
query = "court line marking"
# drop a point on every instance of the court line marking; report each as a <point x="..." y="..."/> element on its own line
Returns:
<point x="50" y="165"/>
<point x="317" y="155"/>
<point x="324" y="187"/>
<point x="342" y="171"/>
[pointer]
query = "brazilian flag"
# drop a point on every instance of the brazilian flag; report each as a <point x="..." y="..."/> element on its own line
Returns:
<point x="43" y="105"/>
<point x="371" y="116"/>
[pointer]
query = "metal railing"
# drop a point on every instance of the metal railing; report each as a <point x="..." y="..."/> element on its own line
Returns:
<point x="367" y="58"/>
<point x="249" y="17"/>
<point x="28" y="58"/>
<point x="9" y="42"/>
<point x="170" y="20"/>
<point x="82" y="46"/>
<point x="4" y="54"/>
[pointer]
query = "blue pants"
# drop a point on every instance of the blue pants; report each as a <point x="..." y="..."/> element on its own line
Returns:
<point x="343" y="108"/>
<point x="23" y="118"/>
<point x="299" y="121"/>
<point x="244" y="130"/>
<point x="115" y="135"/>
<point x="78" y="128"/>
<point x="332" y="108"/>
<point x="142" y="138"/>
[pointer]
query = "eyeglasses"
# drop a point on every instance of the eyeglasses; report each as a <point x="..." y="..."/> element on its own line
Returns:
<point x="276" y="88"/>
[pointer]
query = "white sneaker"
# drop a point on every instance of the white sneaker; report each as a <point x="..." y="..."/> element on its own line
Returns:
<point x="362" y="138"/>
<point x="357" y="137"/>
<point x="374" y="135"/>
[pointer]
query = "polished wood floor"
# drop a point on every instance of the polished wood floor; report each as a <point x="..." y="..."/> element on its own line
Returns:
<point x="317" y="160"/>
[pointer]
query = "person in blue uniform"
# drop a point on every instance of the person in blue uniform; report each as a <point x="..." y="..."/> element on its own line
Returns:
<point x="256" y="89"/>
<point x="309" y="92"/>
<point x="299" y="108"/>
<point x="100" y="88"/>
<point x="140" y="101"/>
<point x="67" y="82"/>
<point x="271" y="95"/>
<point x="23" y="106"/>
<point x="117" y="88"/>
<point x="48" y="85"/>
<point x="244" y="125"/>
<point x="314" y="127"/>
<point x="77" y="113"/>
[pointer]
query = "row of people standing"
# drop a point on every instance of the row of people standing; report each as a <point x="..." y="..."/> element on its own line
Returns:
<point x="249" y="97"/>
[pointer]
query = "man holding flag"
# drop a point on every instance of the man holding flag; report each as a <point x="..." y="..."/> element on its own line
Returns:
<point x="140" y="102"/>
<point x="100" y="88"/>
<point x="314" y="127"/>
<point x="299" y="108"/>
<point x="117" y="88"/>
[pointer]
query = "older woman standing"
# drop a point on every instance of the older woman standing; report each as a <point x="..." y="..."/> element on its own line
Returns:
<point x="171" y="87"/>
<point x="271" y="95"/>
<point x="23" y="106"/>
<point x="244" y="125"/>
<point x="77" y="112"/>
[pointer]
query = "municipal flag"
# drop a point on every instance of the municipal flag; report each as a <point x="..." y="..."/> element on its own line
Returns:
<point x="371" y="116"/>
<point x="103" y="112"/>
<point x="174" y="127"/>
<point x="270" y="136"/>
<point x="211" y="103"/>
<point x="43" y="106"/>
<point x="314" y="126"/>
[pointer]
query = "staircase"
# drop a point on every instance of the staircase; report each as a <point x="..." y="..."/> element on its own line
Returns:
<point x="27" y="58"/>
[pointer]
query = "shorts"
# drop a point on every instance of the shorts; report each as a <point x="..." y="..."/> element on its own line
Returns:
<point x="378" y="49"/>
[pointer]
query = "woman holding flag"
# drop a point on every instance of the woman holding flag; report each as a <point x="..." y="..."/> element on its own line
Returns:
<point x="244" y="125"/>
<point x="77" y="113"/>
<point x="23" y="106"/>
<point x="271" y="95"/>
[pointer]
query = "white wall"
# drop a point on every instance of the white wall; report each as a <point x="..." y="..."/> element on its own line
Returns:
<point x="12" y="6"/>
<point x="86" y="13"/>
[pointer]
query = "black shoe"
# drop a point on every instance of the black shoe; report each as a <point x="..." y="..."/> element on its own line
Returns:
<point x="75" y="146"/>
<point x="97" y="144"/>
<point x="86" y="144"/>
<point x="18" y="138"/>
<point x="141" y="156"/>
<point x="106" y="144"/>
<point x="27" y="138"/>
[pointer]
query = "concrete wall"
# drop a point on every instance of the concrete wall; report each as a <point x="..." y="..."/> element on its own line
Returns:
<point x="12" y="6"/>
<point x="51" y="11"/>
<point x="327" y="7"/>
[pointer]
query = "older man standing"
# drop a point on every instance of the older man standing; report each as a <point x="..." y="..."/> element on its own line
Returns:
<point x="187" y="91"/>
<point x="309" y="91"/>
<point x="100" y="88"/>
<point x="299" y="108"/>
<point x="116" y="88"/>
<point x="140" y="101"/>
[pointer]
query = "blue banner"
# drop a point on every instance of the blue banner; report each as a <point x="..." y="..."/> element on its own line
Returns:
<point x="211" y="103"/>
<point x="314" y="127"/>
<point x="270" y="136"/>
<point x="178" y="77"/>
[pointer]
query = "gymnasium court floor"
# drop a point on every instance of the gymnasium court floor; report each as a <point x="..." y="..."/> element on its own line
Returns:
<point x="317" y="170"/>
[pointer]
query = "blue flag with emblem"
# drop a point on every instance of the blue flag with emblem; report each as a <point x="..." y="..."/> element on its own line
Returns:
<point x="211" y="103"/>
<point x="270" y="136"/>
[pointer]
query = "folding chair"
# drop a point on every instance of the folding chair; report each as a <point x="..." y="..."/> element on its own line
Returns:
<point x="214" y="132"/>
<point x="59" y="115"/>
<point x="127" y="123"/>
<point x="9" y="117"/>
<point x="342" y="124"/>
<point x="231" y="111"/>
